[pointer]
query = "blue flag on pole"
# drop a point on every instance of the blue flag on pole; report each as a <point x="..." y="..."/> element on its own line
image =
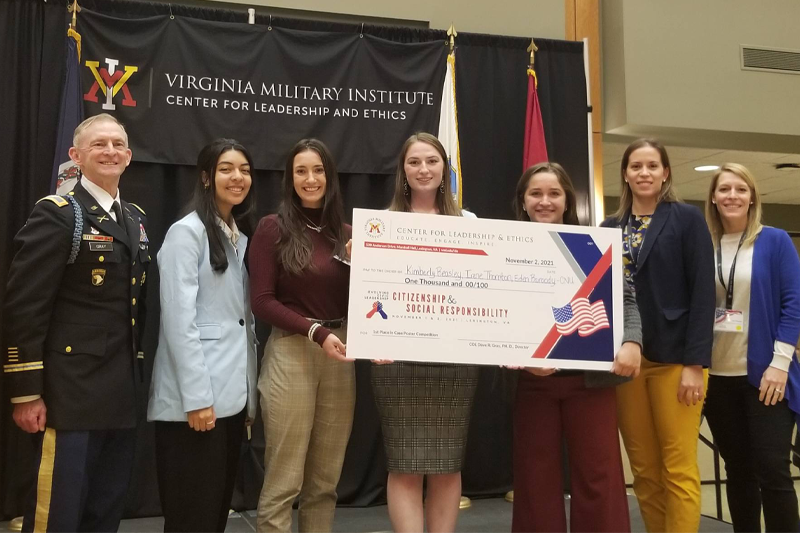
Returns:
<point x="65" y="172"/>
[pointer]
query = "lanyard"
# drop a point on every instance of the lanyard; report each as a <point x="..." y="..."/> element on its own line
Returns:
<point x="729" y="287"/>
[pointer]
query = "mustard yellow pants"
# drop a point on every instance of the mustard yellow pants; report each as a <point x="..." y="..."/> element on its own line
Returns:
<point x="660" y="436"/>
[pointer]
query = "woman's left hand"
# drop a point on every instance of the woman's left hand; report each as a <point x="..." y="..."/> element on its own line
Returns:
<point x="628" y="360"/>
<point x="691" y="390"/>
<point x="348" y="248"/>
<point x="773" y="386"/>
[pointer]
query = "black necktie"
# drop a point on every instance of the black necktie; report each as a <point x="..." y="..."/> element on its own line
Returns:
<point x="118" y="213"/>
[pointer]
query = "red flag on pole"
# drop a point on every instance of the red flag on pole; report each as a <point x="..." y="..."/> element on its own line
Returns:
<point x="535" y="147"/>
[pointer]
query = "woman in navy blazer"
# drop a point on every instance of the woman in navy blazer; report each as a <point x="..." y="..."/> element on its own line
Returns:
<point x="668" y="258"/>
<point x="204" y="379"/>
<point x="754" y="387"/>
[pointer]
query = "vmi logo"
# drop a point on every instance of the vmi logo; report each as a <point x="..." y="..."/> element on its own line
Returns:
<point x="375" y="228"/>
<point x="110" y="81"/>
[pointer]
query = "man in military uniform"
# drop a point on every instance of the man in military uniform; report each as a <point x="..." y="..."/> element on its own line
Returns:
<point x="75" y="311"/>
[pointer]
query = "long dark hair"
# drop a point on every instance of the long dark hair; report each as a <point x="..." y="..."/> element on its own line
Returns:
<point x="294" y="244"/>
<point x="204" y="200"/>
<point x="570" y="211"/>
<point x="401" y="199"/>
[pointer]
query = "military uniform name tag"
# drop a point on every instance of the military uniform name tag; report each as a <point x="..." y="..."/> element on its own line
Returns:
<point x="729" y="320"/>
<point x="101" y="246"/>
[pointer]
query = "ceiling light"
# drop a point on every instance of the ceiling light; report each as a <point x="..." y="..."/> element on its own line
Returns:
<point x="706" y="168"/>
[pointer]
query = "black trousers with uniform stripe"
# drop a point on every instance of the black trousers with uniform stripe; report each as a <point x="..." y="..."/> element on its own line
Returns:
<point x="82" y="480"/>
<point x="197" y="471"/>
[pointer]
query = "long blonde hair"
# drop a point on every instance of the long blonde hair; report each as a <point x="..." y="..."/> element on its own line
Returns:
<point x="754" y="212"/>
<point x="667" y="194"/>
<point x="401" y="200"/>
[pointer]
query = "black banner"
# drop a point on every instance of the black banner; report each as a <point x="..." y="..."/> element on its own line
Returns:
<point x="177" y="83"/>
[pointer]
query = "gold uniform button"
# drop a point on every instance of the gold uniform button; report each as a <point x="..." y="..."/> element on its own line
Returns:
<point x="101" y="258"/>
<point x="134" y="301"/>
<point x="133" y="321"/>
<point x="68" y="349"/>
<point x="133" y="281"/>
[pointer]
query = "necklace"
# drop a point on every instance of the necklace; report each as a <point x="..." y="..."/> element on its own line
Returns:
<point x="311" y="225"/>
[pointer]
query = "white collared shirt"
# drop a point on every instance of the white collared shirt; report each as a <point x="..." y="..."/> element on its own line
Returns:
<point x="231" y="233"/>
<point x="104" y="199"/>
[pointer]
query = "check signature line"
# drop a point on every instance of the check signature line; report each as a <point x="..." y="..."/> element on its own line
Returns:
<point x="504" y="341"/>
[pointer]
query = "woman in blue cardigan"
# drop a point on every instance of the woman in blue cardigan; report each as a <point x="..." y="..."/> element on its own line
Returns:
<point x="754" y="386"/>
<point x="669" y="259"/>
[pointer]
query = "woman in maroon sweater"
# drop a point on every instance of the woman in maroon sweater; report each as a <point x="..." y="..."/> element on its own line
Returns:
<point x="299" y="285"/>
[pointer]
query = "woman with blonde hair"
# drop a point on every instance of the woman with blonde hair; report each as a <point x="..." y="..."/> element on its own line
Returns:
<point x="424" y="407"/>
<point x="754" y="383"/>
<point x="668" y="259"/>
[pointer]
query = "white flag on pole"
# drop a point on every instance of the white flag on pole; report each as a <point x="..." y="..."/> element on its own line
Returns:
<point x="448" y="127"/>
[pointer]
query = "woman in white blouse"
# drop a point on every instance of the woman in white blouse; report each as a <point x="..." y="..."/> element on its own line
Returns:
<point x="754" y="383"/>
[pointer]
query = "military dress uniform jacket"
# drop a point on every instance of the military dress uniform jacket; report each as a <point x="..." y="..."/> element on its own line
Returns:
<point x="74" y="330"/>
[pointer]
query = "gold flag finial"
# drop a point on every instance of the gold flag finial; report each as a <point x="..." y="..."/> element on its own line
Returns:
<point x="74" y="8"/>
<point x="452" y="33"/>
<point x="532" y="48"/>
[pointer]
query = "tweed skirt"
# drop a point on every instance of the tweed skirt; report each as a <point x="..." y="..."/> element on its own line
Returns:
<point x="424" y="410"/>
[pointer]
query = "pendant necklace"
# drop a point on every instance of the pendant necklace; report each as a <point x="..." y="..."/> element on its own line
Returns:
<point x="311" y="225"/>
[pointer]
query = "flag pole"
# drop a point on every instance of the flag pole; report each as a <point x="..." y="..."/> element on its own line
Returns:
<point x="74" y="8"/>
<point x="532" y="48"/>
<point x="596" y="199"/>
<point x="452" y="34"/>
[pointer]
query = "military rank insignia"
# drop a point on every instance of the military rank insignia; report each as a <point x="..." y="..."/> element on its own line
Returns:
<point x="98" y="276"/>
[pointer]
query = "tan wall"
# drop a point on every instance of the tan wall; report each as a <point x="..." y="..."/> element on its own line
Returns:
<point x="676" y="65"/>
<point x="523" y="18"/>
<point x="782" y="216"/>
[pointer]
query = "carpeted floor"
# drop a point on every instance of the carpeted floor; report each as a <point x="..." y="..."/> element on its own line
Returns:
<point x="490" y="515"/>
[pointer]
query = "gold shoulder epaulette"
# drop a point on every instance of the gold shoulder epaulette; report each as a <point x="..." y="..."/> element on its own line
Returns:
<point x="56" y="199"/>
<point x="139" y="208"/>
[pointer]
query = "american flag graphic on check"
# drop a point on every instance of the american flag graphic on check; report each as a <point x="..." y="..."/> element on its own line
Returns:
<point x="581" y="316"/>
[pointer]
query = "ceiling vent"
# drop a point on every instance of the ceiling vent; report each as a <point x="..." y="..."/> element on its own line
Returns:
<point x="770" y="59"/>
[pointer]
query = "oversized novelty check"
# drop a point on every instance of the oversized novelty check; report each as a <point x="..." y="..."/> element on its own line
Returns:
<point x="452" y="289"/>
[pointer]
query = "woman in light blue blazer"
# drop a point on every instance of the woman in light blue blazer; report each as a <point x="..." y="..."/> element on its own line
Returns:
<point x="204" y="379"/>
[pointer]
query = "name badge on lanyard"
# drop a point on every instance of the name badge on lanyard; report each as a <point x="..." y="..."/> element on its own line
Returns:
<point x="726" y="318"/>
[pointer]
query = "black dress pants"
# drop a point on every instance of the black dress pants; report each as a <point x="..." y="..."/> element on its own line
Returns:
<point x="196" y="472"/>
<point x="755" y="440"/>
